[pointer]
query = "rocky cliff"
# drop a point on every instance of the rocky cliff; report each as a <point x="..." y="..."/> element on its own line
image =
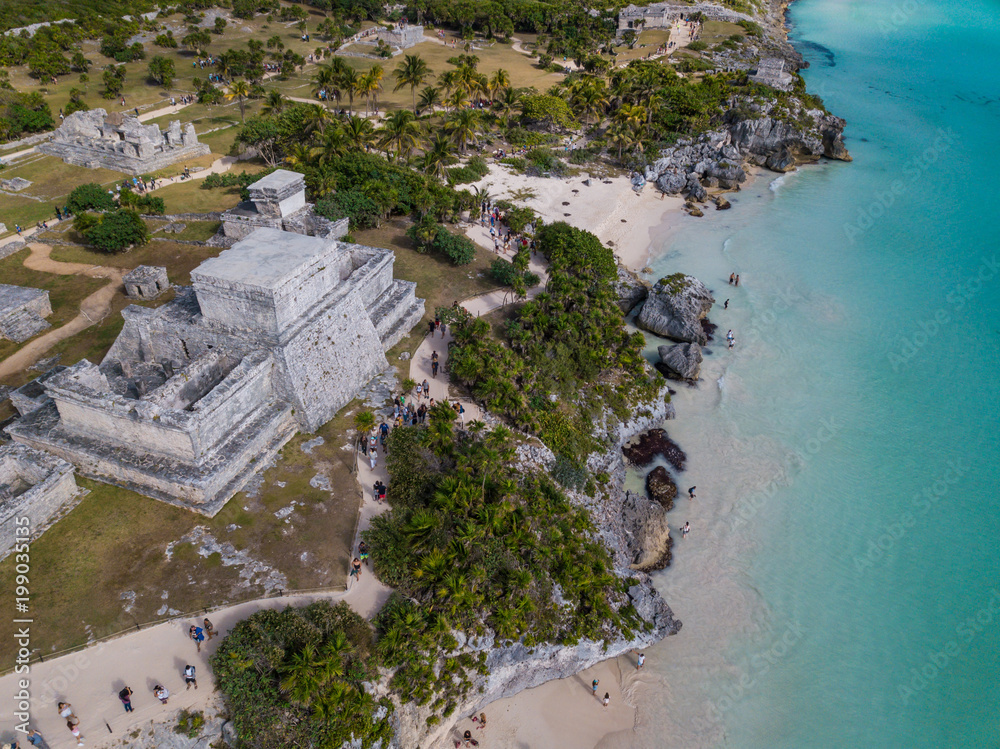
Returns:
<point x="635" y="531"/>
<point x="675" y="309"/>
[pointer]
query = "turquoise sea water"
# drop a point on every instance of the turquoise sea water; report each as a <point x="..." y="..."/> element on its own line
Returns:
<point x="841" y="584"/>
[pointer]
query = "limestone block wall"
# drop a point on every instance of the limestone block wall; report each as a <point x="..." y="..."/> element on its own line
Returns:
<point x="374" y="276"/>
<point x="53" y="488"/>
<point x="329" y="360"/>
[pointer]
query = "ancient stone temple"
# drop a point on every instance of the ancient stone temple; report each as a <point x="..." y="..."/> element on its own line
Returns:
<point x="120" y="142"/>
<point x="275" y="335"/>
<point x="35" y="490"/>
<point x="652" y="16"/>
<point x="279" y="201"/>
<point x="22" y="312"/>
<point x="771" y="72"/>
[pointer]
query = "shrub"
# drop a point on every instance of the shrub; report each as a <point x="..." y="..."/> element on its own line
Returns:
<point x="114" y="231"/>
<point x="697" y="46"/>
<point x="518" y="218"/>
<point x="476" y="169"/>
<point x="459" y="249"/>
<point x="363" y="212"/>
<point x="190" y="723"/>
<point x="87" y="197"/>
<point x="143" y="203"/>
<point x="504" y="272"/>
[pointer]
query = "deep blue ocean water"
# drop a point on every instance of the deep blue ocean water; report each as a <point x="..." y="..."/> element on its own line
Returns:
<point x="841" y="584"/>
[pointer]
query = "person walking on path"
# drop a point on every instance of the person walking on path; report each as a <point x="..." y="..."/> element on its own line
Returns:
<point x="427" y="388"/>
<point x="607" y="699"/>
<point x="126" y="697"/>
<point x="73" y="724"/>
<point x="35" y="739"/>
<point x="373" y="457"/>
<point x="65" y="710"/>
<point x="190" y="677"/>
<point x="161" y="693"/>
<point x="209" y="628"/>
<point x="198" y="635"/>
<point x="363" y="552"/>
<point x="356" y="568"/>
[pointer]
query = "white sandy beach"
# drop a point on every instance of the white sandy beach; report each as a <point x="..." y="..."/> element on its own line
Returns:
<point x="609" y="208"/>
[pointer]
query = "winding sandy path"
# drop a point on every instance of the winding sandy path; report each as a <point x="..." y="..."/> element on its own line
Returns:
<point x="93" y="308"/>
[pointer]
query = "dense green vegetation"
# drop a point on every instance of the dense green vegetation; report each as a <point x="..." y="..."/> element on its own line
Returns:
<point x="563" y="357"/>
<point x="474" y="544"/>
<point x="113" y="231"/>
<point x="295" y="678"/>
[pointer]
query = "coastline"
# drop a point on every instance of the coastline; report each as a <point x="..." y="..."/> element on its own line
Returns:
<point x="630" y="227"/>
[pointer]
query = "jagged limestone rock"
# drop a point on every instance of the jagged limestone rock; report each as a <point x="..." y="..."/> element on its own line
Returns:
<point x="675" y="307"/>
<point x="682" y="361"/>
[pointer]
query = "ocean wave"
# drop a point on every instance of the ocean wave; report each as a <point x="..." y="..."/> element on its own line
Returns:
<point x="777" y="183"/>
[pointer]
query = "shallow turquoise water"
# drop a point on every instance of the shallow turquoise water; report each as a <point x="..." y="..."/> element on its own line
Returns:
<point x="840" y="586"/>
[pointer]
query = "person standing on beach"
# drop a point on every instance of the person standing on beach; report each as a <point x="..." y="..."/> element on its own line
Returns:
<point x="161" y="693"/>
<point x="732" y="278"/>
<point x="607" y="699"/>
<point x="126" y="697"/>
<point x="726" y="305"/>
<point x="73" y="724"/>
<point x="35" y="738"/>
<point x="641" y="661"/>
<point x="685" y="530"/>
<point x="65" y="710"/>
<point x="593" y="686"/>
<point x="691" y="494"/>
<point x="737" y="279"/>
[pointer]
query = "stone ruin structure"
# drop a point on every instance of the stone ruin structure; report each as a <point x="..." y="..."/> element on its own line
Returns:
<point x="145" y="282"/>
<point x="653" y="16"/>
<point x="771" y="72"/>
<point x="36" y="489"/>
<point x="22" y="312"/>
<point x="279" y="201"/>
<point x="118" y="141"/>
<point x="274" y="336"/>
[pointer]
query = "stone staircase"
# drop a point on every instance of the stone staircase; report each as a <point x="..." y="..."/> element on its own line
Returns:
<point x="396" y="312"/>
<point x="21" y="324"/>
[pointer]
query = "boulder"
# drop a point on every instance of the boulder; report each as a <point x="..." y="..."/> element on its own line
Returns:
<point x="675" y="307"/>
<point x="780" y="161"/>
<point x="721" y="204"/>
<point x="682" y="361"/>
<point x="661" y="488"/>
<point x="695" y="191"/>
<point x="630" y="290"/>
<point x="671" y="183"/>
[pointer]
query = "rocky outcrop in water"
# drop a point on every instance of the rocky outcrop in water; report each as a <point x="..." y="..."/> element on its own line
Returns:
<point x="649" y="546"/>
<point x="752" y="133"/>
<point x="661" y="487"/>
<point x="682" y="361"/>
<point x="675" y="308"/>
<point x="641" y="451"/>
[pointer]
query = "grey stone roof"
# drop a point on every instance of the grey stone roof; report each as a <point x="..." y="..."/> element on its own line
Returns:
<point x="277" y="180"/>
<point x="12" y="297"/>
<point x="144" y="274"/>
<point x="264" y="259"/>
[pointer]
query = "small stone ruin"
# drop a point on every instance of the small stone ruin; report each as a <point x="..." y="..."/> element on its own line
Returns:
<point x="145" y="282"/>
<point x="119" y="142"/>
<point x="22" y="310"/>
<point x="771" y="72"/>
<point x="36" y="489"/>
<point x="279" y="201"/>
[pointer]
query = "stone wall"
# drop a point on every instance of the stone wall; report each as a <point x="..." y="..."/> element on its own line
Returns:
<point x="35" y="489"/>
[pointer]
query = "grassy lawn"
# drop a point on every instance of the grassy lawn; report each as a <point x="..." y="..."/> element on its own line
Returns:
<point x="648" y="41"/>
<point x="713" y="32"/>
<point x="438" y="281"/>
<point x="116" y="541"/>
<point x="188" y="197"/>
<point x="51" y="181"/>
<point x="194" y="231"/>
<point x="65" y="292"/>
<point x="178" y="259"/>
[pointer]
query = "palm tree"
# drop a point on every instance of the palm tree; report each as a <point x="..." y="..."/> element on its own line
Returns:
<point x="240" y="90"/>
<point x="367" y="86"/>
<point x="464" y="126"/>
<point x="274" y="102"/>
<point x="413" y="71"/>
<point x="620" y="135"/>
<point x="359" y="132"/>
<point x="438" y="155"/>
<point x="298" y="156"/>
<point x="316" y="118"/>
<point x="400" y="130"/>
<point x="499" y="82"/>
<point x="430" y="97"/>
<point x="376" y="74"/>
<point x="350" y="80"/>
<point x="334" y="143"/>
<point x="508" y="104"/>
<point x="458" y="99"/>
